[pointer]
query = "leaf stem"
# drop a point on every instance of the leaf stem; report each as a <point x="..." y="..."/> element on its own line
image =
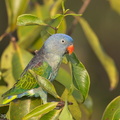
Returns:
<point x="75" y="21"/>
<point x="3" y="35"/>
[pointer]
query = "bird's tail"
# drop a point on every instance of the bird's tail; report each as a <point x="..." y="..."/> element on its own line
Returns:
<point x="9" y="99"/>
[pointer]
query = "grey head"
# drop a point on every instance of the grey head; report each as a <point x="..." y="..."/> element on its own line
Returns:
<point x="58" y="44"/>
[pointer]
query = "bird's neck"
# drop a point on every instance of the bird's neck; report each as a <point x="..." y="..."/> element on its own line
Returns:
<point x="53" y="60"/>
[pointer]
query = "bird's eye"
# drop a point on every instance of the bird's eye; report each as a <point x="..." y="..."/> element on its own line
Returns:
<point x="62" y="41"/>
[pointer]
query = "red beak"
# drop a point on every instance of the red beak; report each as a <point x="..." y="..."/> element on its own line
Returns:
<point x="70" y="49"/>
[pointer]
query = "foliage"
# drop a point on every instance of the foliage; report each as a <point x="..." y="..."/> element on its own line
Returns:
<point x="32" y="29"/>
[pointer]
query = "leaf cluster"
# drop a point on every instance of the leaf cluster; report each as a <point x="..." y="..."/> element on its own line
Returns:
<point x="33" y="28"/>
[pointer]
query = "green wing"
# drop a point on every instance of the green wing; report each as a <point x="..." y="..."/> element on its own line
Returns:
<point x="27" y="81"/>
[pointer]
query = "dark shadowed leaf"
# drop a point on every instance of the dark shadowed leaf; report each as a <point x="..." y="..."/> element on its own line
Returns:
<point x="64" y="78"/>
<point x="81" y="79"/>
<point x="40" y="110"/>
<point x="20" y="108"/>
<point x="87" y="107"/>
<point x="106" y="61"/>
<point x="112" y="111"/>
<point x="45" y="84"/>
<point x="28" y="19"/>
<point x="65" y="114"/>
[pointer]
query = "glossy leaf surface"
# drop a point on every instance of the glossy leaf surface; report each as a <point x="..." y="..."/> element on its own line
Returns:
<point x="81" y="79"/>
<point x="28" y="19"/>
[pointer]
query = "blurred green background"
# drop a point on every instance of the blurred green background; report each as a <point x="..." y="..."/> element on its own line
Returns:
<point x="106" y="24"/>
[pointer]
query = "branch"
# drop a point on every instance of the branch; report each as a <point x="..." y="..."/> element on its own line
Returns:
<point x="75" y="21"/>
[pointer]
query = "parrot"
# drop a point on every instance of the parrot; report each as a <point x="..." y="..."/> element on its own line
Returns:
<point x="45" y="63"/>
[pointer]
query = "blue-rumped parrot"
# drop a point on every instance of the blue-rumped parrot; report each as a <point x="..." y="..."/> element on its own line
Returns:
<point x="45" y="63"/>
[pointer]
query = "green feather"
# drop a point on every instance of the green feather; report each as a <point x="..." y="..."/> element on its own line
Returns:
<point x="27" y="81"/>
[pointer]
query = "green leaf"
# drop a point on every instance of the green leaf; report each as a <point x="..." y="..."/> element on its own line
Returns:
<point x="52" y="115"/>
<point x="40" y="34"/>
<point x="19" y="61"/>
<point x="105" y="60"/>
<point x="45" y="84"/>
<point x="23" y="106"/>
<point x="28" y="19"/>
<point x="14" y="9"/>
<point x="65" y="114"/>
<point x="81" y="79"/>
<point x="74" y="108"/>
<point x="64" y="78"/>
<point x="112" y="111"/>
<point x="40" y="110"/>
<point x="115" y="4"/>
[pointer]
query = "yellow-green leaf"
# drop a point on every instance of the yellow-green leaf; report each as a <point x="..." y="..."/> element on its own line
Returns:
<point x="19" y="61"/>
<point x="14" y="9"/>
<point x="55" y="7"/>
<point x="40" y="110"/>
<point x="115" y="4"/>
<point x="112" y="111"/>
<point x="23" y="106"/>
<point x="74" y="108"/>
<point x="105" y="60"/>
<point x="28" y="35"/>
<point x="7" y="58"/>
<point x="65" y="114"/>
<point x="3" y="89"/>
<point x="52" y="115"/>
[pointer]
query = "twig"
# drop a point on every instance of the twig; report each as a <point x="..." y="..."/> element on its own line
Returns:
<point x="75" y="21"/>
<point x="3" y="35"/>
<point x="13" y="40"/>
